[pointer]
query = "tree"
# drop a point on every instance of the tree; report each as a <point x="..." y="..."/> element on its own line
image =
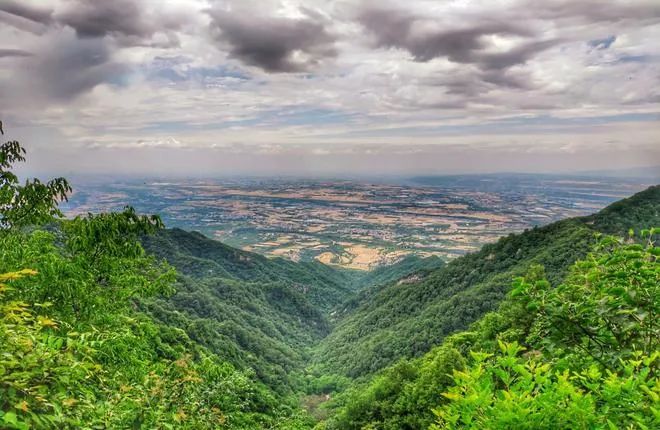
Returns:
<point x="35" y="202"/>
<point x="591" y="358"/>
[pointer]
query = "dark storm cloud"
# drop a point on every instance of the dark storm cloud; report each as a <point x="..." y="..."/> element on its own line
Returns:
<point x="514" y="56"/>
<point x="507" y="79"/>
<point x="91" y="18"/>
<point x="129" y="22"/>
<point x="473" y="85"/>
<point x="26" y="11"/>
<point x="426" y="39"/>
<point x="68" y="67"/>
<point x="274" y="44"/>
<point x="78" y="52"/>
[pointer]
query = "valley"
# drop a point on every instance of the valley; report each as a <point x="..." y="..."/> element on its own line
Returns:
<point x="208" y="335"/>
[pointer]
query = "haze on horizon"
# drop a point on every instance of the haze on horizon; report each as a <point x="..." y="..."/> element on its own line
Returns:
<point x="292" y="87"/>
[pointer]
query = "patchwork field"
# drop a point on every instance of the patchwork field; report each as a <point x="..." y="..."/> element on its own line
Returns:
<point x="358" y="225"/>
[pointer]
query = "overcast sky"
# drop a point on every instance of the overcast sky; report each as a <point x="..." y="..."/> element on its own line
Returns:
<point x="318" y="87"/>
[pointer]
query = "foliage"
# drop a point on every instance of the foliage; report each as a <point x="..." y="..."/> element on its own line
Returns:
<point x="411" y="269"/>
<point x="607" y="308"/>
<point x="54" y="376"/>
<point x="32" y="203"/>
<point x="257" y="313"/>
<point x="199" y="257"/>
<point x="507" y="390"/>
<point x="78" y="353"/>
<point x="408" y="269"/>
<point x="406" y="320"/>
<point x="560" y="378"/>
<point x="595" y="360"/>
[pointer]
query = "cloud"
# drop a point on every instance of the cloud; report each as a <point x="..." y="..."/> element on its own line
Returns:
<point x="427" y="38"/>
<point x="169" y="76"/>
<point x="27" y="11"/>
<point x="274" y="44"/>
<point x="592" y="10"/>
<point x="131" y="23"/>
<point x="602" y="43"/>
<point x="10" y="52"/>
<point x="66" y="67"/>
<point x="91" y="18"/>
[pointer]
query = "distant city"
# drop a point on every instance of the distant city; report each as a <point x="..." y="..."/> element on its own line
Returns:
<point x="358" y="224"/>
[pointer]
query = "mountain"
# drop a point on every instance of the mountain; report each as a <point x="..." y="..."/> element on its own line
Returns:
<point x="410" y="265"/>
<point x="407" y="319"/>
<point x="407" y="270"/>
<point x="582" y="354"/>
<point x="197" y="256"/>
<point x="639" y="211"/>
<point x="259" y="314"/>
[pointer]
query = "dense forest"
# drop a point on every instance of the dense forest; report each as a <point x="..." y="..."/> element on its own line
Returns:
<point x="112" y="321"/>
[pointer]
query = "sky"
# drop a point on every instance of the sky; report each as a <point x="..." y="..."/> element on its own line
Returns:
<point x="318" y="87"/>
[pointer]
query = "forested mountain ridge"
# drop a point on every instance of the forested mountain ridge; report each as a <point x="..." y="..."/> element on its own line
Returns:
<point x="197" y="256"/>
<point x="408" y="319"/>
<point x="582" y="354"/>
<point x="408" y="270"/>
<point x="257" y="313"/>
<point x="409" y="265"/>
<point x="635" y="212"/>
<point x="76" y="351"/>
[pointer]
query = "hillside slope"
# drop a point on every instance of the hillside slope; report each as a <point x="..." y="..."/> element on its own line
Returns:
<point x="257" y="313"/>
<point x="197" y="256"/>
<point x="510" y="369"/>
<point x="260" y="314"/>
<point x="408" y="319"/>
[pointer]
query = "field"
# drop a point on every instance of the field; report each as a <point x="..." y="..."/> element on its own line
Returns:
<point x="358" y="224"/>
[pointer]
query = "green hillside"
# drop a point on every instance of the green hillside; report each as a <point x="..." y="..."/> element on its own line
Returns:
<point x="408" y="266"/>
<point x="407" y="319"/>
<point x="636" y="212"/>
<point x="582" y="354"/>
<point x="197" y="256"/>
<point x="78" y="351"/>
<point x="257" y="313"/>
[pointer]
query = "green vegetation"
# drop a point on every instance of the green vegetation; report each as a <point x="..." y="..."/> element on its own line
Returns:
<point x="197" y="256"/>
<point x="259" y="314"/>
<point x="111" y="321"/>
<point x="406" y="320"/>
<point x="77" y="353"/>
<point x="411" y="267"/>
<point x="581" y="355"/>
